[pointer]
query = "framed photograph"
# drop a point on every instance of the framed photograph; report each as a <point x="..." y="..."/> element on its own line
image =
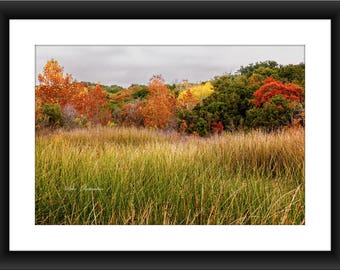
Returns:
<point x="184" y="134"/>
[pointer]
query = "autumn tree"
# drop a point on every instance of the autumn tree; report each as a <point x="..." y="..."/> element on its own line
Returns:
<point x="55" y="88"/>
<point x="272" y="87"/>
<point x="159" y="109"/>
<point x="74" y="99"/>
<point x="186" y="101"/>
<point x="277" y="104"/>
<point x="92" y="103"/>
<point x="54" y="92"/>
<point x="131" y="114"/>
<point x="201" y="91"/>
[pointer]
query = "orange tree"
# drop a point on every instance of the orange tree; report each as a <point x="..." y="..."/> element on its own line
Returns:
<point x="91" y="102"/>
<point x="159" y="109"/>
<point x="58" y="91"/>
<point x="54" y="88"/>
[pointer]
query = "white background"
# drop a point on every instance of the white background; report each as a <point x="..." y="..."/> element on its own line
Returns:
<point x="25" y="34"/>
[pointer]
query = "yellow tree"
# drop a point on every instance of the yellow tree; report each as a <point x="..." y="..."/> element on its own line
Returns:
<point x="186" y="101"/>
<point x="200" y="91"/>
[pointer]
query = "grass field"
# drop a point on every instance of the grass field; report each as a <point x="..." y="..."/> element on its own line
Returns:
<point x="131" y="176"/>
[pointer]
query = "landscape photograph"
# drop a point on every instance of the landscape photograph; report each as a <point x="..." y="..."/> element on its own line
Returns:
<point x="169" y="135"/>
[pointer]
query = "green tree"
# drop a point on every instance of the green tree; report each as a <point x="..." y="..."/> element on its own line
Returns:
<point x="275" y="113"/>
<point x="249" y="69"/>
<point x="293" y="74"/>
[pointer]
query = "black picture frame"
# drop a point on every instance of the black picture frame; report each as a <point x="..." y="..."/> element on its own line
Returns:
<point x="169" y="10"/>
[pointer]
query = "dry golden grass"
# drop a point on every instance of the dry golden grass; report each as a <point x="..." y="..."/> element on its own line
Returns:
<point x="140" y="176"/>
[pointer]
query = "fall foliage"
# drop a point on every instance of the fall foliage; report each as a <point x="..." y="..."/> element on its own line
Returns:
<point x="217" y="128"/>
<point x="200" y="91"/>
<point x="187" y="101"/>
<point x="73" y="98"/>
<point x="273" y="87"/>
<point x="159" y="109"/>
<point x="55" y="88"/>
<point x="131" y="114"/>
<point x="262" y="95"/>
<point x="91" y="103"/>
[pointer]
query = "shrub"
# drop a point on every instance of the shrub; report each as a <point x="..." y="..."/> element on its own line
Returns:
<point x="69" y="114"/>
<point x="275" y="113"/>
<point x="52" y="115"/>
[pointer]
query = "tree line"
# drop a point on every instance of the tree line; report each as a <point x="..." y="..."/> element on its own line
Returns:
<point x="264" y="95"/>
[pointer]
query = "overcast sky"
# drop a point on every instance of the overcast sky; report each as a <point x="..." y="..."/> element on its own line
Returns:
<point x="125" y="65"/>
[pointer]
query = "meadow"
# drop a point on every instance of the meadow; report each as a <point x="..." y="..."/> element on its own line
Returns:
<point x="126" y="175"/>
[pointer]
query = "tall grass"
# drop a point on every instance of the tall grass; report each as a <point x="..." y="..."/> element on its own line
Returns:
<point x="140" y="176"/>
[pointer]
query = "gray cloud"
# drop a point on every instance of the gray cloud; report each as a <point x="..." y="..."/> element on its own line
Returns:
<point x="124" y="65"/>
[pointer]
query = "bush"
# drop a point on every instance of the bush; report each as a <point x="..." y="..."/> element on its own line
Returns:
<point x="69" y="115"/>
<point x="142" y="94"/>
<point x="202" y="127"/>
<point x="275" y="113"/>
<point x="52" y="116"/>
<point x="82" y="122"/>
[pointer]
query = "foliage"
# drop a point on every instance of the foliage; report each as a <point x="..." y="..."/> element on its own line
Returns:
<point x="182" y="127"/>
<point x="261" y="95"/>
<point x="200" y="91"/>
<point x="293" y="73"/>
<point x="73" y="98"/>
<point x="261" y="73"/>
<point x="217" y="127"/>
<point x="275" y="113"/>
<point x="186" y="101"/>
<point x="107" y="88"/>
<point x="52" y="115"/>
<point x="139" y="91"/>
<point x="112" y="88"/>
<point x="118" y="102"/>
<point x="159" y="109"/>
<point x="122" y="96"/>
<point x="91" y="102"/>
<point x="139" y="175"/>
<point x="131" y="114"/>
<point x="249" y="69"/>
<point x="228" y="105"/>
<point x="272" y="87"/>
<point x="69" y="116"/>
<point x="54" y="88"/>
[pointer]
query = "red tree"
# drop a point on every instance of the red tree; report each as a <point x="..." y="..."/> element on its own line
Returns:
<point x="272" y="87"/>
<point x="217" y="127"/>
